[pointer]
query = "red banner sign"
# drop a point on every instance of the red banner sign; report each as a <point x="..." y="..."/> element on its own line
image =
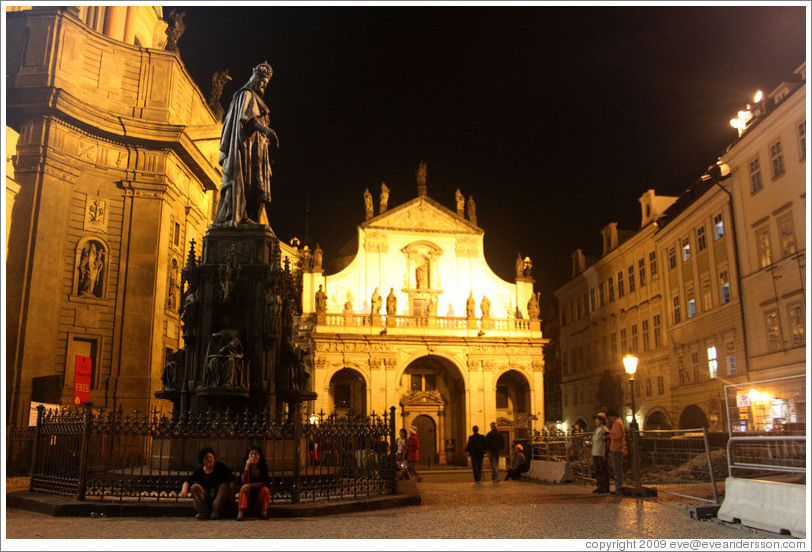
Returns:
<point x="81" y="379"/>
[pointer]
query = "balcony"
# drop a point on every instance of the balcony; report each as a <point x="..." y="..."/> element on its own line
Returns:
<point x="434" y="326"/>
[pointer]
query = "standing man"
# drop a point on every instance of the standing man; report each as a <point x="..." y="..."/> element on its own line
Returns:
<point x="616" y="436"/>
<point x="247" y="146"/>
<point x="476" y="450"/>
<point x="493" y="443"/>
<point x="599" y="454"/>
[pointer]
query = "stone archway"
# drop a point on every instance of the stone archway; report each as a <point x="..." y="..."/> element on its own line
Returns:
<point x="657" y="420"/>
<point x="692" y="418"/>
<point x="432" y="386"/>
<point x="348" y="392"/>
<point x="513" y="403"/>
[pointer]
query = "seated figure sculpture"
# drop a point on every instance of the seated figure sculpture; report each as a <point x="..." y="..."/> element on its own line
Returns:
<point x="225" y="365"/>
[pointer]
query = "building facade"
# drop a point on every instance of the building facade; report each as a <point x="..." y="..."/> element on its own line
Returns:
<point x="418" y="320"/>
<point x="115" y="166"/>
<point x="709" y="293"/>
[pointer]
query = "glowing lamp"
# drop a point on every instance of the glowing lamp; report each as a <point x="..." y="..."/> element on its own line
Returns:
<point x="630" y="365"/>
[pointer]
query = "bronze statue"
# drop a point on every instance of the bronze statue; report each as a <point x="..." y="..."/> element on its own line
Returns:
<point x="218" y="81"/>
<point x="391" y="302"/>
<point x="247" y="146"/>
<point x="224" y="360"/>
<point x="318" y="257"/>
<point x="188" y="316"/>
<point x="321" y="301"/>
<point x="172" y="368"/>
<point x="376" y="301"/>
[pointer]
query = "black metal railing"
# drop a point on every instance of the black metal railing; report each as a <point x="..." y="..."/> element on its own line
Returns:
<point x="19" y="445"/>
<point x="111" y="455"/>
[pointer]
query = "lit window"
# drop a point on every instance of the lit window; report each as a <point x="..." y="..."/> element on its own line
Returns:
<point x="773" y="339"/>
<point x="634" y="338"/>
<point x="713" y="366"/>
<point x="610" y="286"/>
<point x="755" y="175"/>
<point x="802" y="138"/>
<point x="724" y="283"/>
<point x="786" y="230"/>
<point x="620" y="292"/>
<point x="658" y="339"/>
<point x="672" y="259"/>
<point x="763" y="245"/>
<point x="686" y="249"/>
<point x="676" y="309"/>
<point x="652" y="264"/>
<point x="797" y="323"/>
<point x="641" y="270"/>
<point x="660" y="385"/>
<point x="645" y="335"/>
<point x="631" y="278"/>
<point x="718" y="227"/>
<point x="690" y="301"/>
<point x="777" y="159"/>
<point x="700" y="238"/>
<point x="623" y="349"/>
<point x="707" y="296"/>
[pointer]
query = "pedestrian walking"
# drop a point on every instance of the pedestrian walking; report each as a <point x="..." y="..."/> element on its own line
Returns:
<point x="599" y="438"/>
<point x="515" y="470"/>
<point x="476" y="450"/>
<point x="400" y="455"/>
<point x="412" y="452"/>
<point x="494" y="444"/>
<point x="616" y="440"/>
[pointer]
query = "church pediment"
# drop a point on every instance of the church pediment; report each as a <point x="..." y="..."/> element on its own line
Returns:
<point x="422" y="214"/>
<point x="422" y="398"/>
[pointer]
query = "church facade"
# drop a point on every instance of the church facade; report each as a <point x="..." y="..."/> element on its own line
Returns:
<point x="418" y="320"/>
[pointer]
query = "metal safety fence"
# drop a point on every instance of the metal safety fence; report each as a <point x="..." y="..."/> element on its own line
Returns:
<point x="110" y="455"/>
<point x="684" y="462"/>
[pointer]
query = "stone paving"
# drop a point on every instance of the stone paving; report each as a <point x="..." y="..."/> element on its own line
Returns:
<point x="454" y="507"/>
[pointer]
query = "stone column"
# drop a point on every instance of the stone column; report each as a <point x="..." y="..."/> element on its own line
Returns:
<point x="115" y="22"/>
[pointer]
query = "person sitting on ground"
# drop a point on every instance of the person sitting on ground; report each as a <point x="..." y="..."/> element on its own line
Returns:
<point x="211" y="485"/>
<point x="515" y="470"/>
<point x="254" y="492"/>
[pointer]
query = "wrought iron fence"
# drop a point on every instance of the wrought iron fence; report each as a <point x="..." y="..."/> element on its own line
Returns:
<point x="116" y="456"/>
<point x="19" y="445"/>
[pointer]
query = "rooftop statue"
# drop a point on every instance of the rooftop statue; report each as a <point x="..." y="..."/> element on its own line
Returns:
<point x="247" y="146"/>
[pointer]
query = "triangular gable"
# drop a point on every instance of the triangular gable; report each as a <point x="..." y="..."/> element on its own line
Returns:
<point x="422" y="214"/>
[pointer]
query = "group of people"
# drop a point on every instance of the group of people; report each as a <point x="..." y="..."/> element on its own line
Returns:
<point x="492" y="443"/>
<point x="408" y="453"/>
<point x="608" y="431"/>
<point x="212" y="486"/>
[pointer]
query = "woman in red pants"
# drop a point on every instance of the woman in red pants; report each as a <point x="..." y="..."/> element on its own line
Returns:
<point x="254" y="492"/>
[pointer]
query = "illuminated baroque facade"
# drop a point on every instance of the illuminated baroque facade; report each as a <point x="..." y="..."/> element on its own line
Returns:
<point x="430" y="344"/>
<point x="709" y="292"/>
<point x="113" y="173"/>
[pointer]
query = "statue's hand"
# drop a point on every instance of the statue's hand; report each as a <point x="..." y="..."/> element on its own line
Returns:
<point x="271" y="134"/>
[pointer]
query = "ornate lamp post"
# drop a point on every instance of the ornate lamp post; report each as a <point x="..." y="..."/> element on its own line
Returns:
<point x="630" y="364"/>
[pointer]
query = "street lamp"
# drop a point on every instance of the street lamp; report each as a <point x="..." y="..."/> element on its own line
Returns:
<point x="630" y="364"/>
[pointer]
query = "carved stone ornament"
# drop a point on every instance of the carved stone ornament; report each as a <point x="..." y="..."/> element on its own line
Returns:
<point x="423" y="217"/>
<point x="96" y="214"/>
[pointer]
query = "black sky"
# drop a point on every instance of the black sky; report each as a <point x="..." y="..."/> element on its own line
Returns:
<point x="556" y="119"/>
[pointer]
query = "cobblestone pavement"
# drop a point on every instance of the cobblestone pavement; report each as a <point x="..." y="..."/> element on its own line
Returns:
<point x="452" y="508"/>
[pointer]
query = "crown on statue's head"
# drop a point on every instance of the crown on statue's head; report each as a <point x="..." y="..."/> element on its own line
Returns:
<point x="263" y="69"/>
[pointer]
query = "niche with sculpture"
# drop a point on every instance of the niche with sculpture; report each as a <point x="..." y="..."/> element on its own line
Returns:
<point x="91" y="264"/>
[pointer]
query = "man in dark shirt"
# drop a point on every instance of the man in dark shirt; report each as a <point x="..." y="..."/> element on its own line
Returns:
<point x="211" y="485"/>
<point x="494" y="444"/>
<point x="476" y="449"/>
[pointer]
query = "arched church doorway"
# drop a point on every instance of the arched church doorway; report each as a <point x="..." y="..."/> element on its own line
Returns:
<point x="656" y="420"/>
<point x="348" y="392"/>
<point x="432" y="386"/>
<point x="692" y="418"/>
<point x="427" y="435"/>
<point x="513" y="405"/>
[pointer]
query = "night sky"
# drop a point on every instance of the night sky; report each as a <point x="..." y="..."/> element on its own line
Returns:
<point x="555" y="119"/>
